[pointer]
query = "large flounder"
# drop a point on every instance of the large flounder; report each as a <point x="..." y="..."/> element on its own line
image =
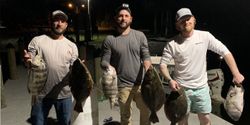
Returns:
<point x="81" y="83"/>
<point x="153" y="92"/>
<point x="176" y="106"/>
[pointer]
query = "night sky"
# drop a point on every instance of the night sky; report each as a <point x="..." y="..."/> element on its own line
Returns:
<point x="223" y="15"/>
<point x="227" y="20"/>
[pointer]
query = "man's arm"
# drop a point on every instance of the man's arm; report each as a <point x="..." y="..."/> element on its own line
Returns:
<point x="237" y="76"/>
<point x="164" y="71"/>
<point x="106" y="55"/>
<point x="145" y="54"/>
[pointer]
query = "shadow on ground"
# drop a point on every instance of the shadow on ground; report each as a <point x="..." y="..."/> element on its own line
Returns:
<point x="50" y="121"/>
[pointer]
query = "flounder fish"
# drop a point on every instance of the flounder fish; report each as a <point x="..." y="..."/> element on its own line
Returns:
<point x="81" y="83"/>
<point x="153" y="92"/>
<point x="234" y="102"/>
<point x="176" y="106"/>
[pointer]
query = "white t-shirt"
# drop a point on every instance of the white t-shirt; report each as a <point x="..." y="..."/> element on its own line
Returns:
<point x="189" y="55"/>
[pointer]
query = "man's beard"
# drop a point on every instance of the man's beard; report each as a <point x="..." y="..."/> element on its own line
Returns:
<point x="189" y="28"/>
<point x="57" y="31"/>
<point x="122" y="26"/>
<point x="186" y="29"/>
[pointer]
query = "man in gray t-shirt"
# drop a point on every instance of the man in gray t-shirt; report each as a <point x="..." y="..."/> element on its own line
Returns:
<point x="127" y="51"/>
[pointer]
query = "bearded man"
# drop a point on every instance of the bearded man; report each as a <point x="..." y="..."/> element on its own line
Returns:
<point x="188" y="49"/>
<point x="58" y="53"/>
<point x="127" y="51"/>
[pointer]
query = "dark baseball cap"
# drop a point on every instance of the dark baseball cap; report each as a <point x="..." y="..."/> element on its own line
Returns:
<point x="124" y="6"/>
<point x="58" y="14"/>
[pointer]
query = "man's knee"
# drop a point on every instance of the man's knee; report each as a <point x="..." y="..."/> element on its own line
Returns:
<point x="204" y="118"/>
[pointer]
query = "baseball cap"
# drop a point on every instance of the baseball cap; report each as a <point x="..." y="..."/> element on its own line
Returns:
<point x="58" y="14"/>
<point x="183" y="12"/>
<point x="124" y="6"/>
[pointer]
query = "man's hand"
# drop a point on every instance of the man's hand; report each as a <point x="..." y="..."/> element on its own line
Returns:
<point x="174" y="85"/>
<point x="238" y="79"/>
<point x="27" y="58"/>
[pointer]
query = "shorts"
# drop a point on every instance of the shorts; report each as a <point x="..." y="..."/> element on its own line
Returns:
<point x="199" y="100"/>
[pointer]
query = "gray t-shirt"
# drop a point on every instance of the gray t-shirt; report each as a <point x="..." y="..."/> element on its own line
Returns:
<point x="126" y="53"/>
<point x="58" y="55"/>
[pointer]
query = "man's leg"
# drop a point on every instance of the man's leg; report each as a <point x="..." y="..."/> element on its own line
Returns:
<point x="40" y="111"/>
<point x="144" y="110"/>
<point x="202" y="105"/>
<point x="204" y="118"/>
<point x="63" y="110"/>
<point x="125" y="100"/>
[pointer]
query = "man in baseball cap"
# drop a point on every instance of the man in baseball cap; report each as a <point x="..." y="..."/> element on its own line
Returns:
<point x="189" y="49"/>
<point x="131" y="41"/>
<point x="124" y="6"/>
<point x="58" y="14"/>
<point x="58" y="53"/>
<point x="183" y="12"/>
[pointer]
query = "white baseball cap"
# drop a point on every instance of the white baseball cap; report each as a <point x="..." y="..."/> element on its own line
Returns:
<point x="183" y="12"/>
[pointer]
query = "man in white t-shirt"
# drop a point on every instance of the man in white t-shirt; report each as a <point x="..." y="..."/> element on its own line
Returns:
<point x="188" y="49"/>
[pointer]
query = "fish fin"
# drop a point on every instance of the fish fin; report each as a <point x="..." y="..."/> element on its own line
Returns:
<point x="153" y="117"/>
<point x="112" y="104"/>
<point x="78" y="107"/>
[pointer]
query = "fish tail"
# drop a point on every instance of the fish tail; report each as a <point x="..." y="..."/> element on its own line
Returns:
<point x="111" y="105"/>
<point x="78" y="107"/>
<point x="153" y="117"/>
